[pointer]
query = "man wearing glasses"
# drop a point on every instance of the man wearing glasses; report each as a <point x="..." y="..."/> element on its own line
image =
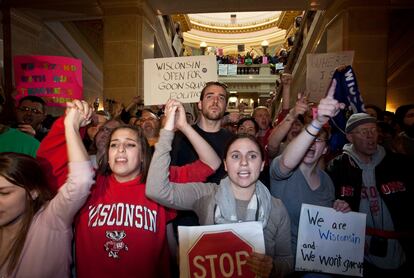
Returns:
<point x="379" y="184"/>
<point x="30" y="113"/>
<point x="12" y="140"/>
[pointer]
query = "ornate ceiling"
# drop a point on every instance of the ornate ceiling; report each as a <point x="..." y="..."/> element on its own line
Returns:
<point x="249" y="28"/>
<point x="234" y="22"/>
<point x="227" y="30"/>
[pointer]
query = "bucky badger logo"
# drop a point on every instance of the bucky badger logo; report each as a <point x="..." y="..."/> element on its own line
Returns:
<point x="115" y="244"/>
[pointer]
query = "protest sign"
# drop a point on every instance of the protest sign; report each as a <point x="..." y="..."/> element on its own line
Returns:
<point x="319" y="71"/>
<point x="330" y="241"/>
<point x="231" y="69"/>
<point x="279" y="66"/>
<point x="222" y="69"/>
<point x="56" y="79"/>
<point x="219" y="250"/>
<point x="177" y="44"/>
<point x="180" y="78"/>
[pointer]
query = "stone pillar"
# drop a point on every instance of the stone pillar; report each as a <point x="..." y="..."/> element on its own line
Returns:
<point x="360" y="27"/>
<point x="127" y="35"/>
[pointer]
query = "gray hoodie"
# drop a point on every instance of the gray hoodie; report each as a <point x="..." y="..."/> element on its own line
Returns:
<point x="378" y="215"/>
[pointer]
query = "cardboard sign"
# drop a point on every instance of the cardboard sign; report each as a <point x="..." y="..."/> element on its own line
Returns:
<point x="180" y="78"/>
<point x="56" y="79"/>
<point x="231" y="69"/>
<point x="319" y="71"/>
<point x="219" y="250"/>
<point x="178" y="46"/>
<point x="279" y="66"/>
<point x="222" y="69"/>
<point x="330" y="241"/>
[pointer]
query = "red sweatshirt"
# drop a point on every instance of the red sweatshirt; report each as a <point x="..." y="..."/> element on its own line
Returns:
<point x="119" y="232"/>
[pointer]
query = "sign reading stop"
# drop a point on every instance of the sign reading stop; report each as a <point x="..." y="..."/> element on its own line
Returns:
<point x="219" y="254"/>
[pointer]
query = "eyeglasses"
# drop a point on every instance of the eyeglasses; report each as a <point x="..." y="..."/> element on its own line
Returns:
<point x="27" y="109"/>
<point x="366" y="131"/>
<point x="317" y="140"/>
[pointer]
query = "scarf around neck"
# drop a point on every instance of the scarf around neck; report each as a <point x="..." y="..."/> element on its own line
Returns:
<point x="368" y="169"/>
<point x="258" y="208"/>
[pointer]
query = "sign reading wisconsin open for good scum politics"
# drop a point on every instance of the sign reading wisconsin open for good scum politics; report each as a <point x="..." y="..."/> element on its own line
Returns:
<point x="180" y="78"/>
<point x="219" y="250"/>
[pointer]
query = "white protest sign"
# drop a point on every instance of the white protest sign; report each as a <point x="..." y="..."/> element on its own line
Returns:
<point x="180" y="78"/>
<point x="222" y="70"/>
<point x="319" y="71"/>
<point x="178" y="46"/>
<point x="231" y="69"/>
<point x="279" y="66"/>
<point x="330" y="241"/>
<point x="219" y="250"/>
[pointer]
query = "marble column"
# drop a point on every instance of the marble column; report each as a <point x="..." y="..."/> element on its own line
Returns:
<point x="128" y="39"/>
<point x="364" y="29"/>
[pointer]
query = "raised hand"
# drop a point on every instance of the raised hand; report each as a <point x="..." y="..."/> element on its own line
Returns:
<point x="175" y="115"/>
<point x="301" y="106"/>
<point x="286" y="79"/>
<point x="137" y="100"/>
<point x="180" y="119"/>
<point x="328" y="106"/>
<point x="78" y="114"/>
<point x="170" y="112"/>
<point x="117" y="109"/>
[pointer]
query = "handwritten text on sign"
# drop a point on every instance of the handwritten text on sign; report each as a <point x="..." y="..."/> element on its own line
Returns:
<point x="319" y="71"/>
<point x="56" y="79"/>
<point x="180" y="78"/>
<point x="219" y="250"/>
<point x="330" y="241"/>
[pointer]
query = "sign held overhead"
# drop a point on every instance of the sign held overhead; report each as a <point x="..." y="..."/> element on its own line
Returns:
<point x="180" y="78"/>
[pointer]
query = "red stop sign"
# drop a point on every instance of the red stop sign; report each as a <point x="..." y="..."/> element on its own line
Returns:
<point x="220" y="254"/>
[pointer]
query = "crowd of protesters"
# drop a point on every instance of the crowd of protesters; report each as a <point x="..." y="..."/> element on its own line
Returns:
<point x="158" y="168"/>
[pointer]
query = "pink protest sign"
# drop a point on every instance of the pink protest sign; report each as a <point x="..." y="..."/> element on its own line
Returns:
<point x="54" y="78"/>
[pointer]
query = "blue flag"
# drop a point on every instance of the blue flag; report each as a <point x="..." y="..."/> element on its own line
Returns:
<point x="347" y="92"/>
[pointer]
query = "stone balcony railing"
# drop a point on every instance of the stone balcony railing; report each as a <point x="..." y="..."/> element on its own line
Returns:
<point x="256" y="78"/>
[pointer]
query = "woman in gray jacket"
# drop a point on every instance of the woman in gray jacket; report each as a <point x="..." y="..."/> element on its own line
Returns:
<point x="239" y="197"/>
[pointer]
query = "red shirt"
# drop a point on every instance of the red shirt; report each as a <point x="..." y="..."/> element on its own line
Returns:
<point x="121" y="233"/>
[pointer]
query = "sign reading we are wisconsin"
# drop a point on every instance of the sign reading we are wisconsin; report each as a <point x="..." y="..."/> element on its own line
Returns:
<point x="180" y="78"/>
<point x="330" y="241"/>
<point x="219" y="250"/>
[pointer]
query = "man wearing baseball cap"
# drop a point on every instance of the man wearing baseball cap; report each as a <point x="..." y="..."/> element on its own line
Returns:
<point x="379" y="184"/>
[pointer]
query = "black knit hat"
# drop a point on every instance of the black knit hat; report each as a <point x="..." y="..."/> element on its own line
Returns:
<point x="400" y="114"/>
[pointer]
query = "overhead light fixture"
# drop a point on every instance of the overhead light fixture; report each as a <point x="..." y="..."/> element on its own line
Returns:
<point x="265" y="45"/>
<point x="233" y="18"/>
<point x="203" y="46"/>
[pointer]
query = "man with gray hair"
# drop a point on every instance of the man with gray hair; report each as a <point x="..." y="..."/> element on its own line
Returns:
<point x="379" y="184"/>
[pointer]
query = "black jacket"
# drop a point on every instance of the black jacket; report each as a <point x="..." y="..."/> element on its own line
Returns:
<point x="394" y="177"/>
